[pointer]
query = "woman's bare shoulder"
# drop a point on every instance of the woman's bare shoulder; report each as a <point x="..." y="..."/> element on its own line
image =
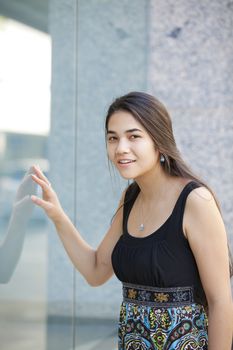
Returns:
<point x="201" y="209"/>
<point x="200" y="196"/>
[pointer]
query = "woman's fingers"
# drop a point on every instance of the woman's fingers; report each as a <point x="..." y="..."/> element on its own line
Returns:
<point x="45" y="185"/>
<point x="53" y="210"/>
<point x="40" y="174"/>
<point x="49" y="201"/>
<point x="47" y="206"/>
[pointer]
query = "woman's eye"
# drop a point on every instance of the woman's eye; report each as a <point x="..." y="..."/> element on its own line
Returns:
<point x="134" y="136"/>
<point x="111" y="138"/>
<point x="115" y="138"/>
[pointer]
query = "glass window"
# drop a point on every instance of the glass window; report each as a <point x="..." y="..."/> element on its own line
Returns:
<point x="24" y="129"/>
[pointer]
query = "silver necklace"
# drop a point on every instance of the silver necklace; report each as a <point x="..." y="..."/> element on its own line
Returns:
<point x="142" y="222"/>
<point x="141" y="227"/>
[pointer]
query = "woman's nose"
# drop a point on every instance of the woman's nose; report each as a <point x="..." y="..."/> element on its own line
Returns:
<point x="122" y="147"/>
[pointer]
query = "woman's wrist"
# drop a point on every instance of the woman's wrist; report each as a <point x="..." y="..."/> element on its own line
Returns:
<point x="61" y="220"/>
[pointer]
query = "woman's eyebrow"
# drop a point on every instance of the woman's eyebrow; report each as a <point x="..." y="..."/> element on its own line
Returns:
<point x="127" y="131"/>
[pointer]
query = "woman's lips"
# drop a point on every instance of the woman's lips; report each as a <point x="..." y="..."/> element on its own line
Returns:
<point x="125" y="162"/>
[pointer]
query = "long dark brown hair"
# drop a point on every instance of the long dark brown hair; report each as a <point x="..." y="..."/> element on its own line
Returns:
<point x="154" y="117"/>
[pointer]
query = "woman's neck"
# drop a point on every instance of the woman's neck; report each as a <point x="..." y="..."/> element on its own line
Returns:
<point x="153" y="186"/>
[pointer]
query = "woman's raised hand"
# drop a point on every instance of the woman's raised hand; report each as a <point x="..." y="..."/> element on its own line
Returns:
<point x="49" y="201"/>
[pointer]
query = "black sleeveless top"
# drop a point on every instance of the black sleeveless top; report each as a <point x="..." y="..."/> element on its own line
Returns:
<point x="162" y="259"/>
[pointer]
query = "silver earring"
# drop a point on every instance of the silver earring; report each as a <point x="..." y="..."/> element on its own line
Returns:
<point x="162" y="158"/>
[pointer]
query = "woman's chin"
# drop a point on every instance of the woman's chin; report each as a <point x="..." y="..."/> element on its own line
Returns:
<point x="126" y="176"/>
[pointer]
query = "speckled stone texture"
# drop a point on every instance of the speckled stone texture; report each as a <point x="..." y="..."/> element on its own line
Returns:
<point x="189" y="70"/>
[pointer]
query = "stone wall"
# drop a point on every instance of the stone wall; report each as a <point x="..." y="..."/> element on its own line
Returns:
<point x="189" y="69"/>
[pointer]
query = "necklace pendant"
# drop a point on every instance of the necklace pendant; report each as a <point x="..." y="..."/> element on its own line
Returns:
<point x="141" y="227"/>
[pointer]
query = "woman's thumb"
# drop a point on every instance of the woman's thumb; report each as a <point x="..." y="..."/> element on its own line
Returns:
<point x="41" y="202"/>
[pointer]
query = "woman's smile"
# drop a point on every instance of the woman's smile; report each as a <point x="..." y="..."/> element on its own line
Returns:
<point x="125" y="162"/>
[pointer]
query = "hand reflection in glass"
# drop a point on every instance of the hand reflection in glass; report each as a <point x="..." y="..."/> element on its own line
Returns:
<point x="12" y="244"/>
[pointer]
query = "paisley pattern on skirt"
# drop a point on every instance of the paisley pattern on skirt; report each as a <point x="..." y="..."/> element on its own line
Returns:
<point x="145" y="326"/>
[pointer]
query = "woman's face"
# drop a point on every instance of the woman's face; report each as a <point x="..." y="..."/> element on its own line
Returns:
<point x="130" y="147"/>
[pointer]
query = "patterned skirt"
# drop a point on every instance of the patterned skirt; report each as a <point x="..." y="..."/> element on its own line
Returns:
<point x="161" y="319"/>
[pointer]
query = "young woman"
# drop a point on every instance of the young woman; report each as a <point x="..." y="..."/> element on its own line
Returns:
<point x="167" y="242"/>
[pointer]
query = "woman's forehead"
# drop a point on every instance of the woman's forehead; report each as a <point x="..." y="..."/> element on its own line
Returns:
<point x="121" y="120"/>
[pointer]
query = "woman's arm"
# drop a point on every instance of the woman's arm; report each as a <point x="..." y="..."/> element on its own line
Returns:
<point x="205" y="231"/>
<point x="94" y="265"/>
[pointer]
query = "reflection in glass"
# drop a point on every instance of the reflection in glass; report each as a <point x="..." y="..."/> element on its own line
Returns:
<point x="24" y="129"/>
<point x="11" y="246"/>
